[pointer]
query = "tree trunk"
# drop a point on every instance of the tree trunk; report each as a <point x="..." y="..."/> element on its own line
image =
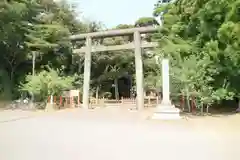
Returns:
<point x="97" y="93"/>
<point x="116" y="89"/>
<point x="207" y="109"/>
<point x="188" y="103"/>
<point x="33" y="63"/>
<point x="11" y="83"/>
<point x="182" y="102"/>
<point x="79" y="66"/>
<point x="202" y="106"/>
<point x="5" y="79"/>
<point x="238" y="109"/>
<point x="51" y="99"/>
<point x="188" y="100"/>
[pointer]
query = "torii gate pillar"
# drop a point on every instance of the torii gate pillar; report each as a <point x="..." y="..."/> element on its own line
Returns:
<point x="87" y="72"/>
<point x="139" y="70"/>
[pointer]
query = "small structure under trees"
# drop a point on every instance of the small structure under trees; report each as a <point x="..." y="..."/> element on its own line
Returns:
<point x="137" y="45"/>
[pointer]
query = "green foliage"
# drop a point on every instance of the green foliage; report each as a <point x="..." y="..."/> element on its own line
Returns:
<point x="201" y="39"/>
<point x="124" y="26"/>
<point x="153" y="81"/>
<point x="146" y="21"/>
<point x="36" y="26"/>
<point x="47" y="83"/>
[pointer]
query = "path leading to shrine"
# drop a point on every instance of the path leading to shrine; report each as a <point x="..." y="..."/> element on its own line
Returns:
<point x="113" y="134"/>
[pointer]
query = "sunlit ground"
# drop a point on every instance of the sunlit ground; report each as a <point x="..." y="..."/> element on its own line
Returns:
<point x="113" y="133"/>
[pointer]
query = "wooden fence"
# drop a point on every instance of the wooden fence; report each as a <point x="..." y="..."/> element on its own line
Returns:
<point x="148" y="101"/>
<point x="73" y="98"/>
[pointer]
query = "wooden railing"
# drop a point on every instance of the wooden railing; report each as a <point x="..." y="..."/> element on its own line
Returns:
<point x="65" y="101"/>
<point x="148" y="101"/>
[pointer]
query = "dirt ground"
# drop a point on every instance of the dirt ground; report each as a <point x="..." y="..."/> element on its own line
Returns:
<point x="113" y="133"/>
<point x="219" y="122"/>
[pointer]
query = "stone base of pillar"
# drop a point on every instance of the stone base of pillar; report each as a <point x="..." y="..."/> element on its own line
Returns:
<point x="166" y="112"/>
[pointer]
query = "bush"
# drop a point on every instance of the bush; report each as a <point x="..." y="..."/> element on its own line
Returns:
<point x="46" y="83"/>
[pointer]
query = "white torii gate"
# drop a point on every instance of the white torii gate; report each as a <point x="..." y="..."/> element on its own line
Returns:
<point x="137" y="45"/>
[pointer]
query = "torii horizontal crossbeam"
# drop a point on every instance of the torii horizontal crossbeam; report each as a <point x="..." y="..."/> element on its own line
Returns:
<point x="127" y="46"/>
<point x="110" y="33"/>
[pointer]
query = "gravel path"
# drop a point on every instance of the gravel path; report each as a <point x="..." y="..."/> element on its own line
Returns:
<point x="91" y="135"/>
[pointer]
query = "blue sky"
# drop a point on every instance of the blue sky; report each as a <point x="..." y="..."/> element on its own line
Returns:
<point x="114" y="12"/>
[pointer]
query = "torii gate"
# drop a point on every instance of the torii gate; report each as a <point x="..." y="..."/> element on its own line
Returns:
<point x="137" y="45"/>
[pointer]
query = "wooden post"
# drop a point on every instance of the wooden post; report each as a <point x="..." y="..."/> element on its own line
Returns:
<point x="149" y="100"/>
<point x="55" y="99"/>
<point x="60" y="101"/>
<point x="72" y="102"/>
<point x="78" y="100"/>
<point x="139" y="70"/>
<point x="49" y="99"/>
<point x="66" y="101"/>
<point x="193" y="104"/>
<point x="87" y="73"/>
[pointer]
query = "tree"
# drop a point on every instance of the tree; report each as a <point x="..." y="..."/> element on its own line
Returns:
<point x="47" y="83"/>
<point x="36" y="27"/>
<point x="146" y="21"/>
<point x="202" y="33"/>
